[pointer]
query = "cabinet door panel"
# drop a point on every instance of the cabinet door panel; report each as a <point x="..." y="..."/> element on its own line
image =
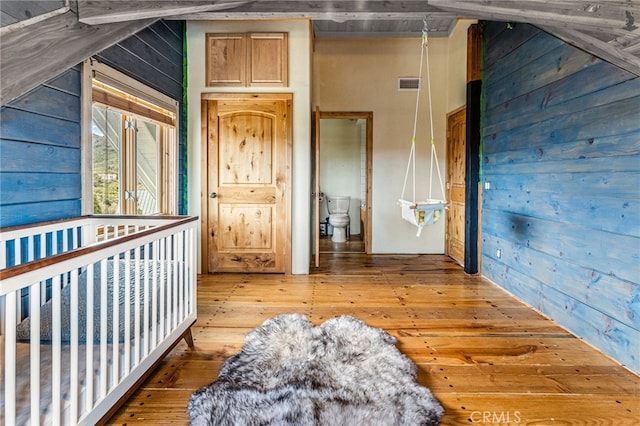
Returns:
<point x="226" y="60"/>
<point x="267" y="59"/>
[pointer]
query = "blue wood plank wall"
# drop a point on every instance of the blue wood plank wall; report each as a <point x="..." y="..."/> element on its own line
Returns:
<point x="40" y="171"/>
<point x="561" y="159"/>
<point x="40" y="153"/>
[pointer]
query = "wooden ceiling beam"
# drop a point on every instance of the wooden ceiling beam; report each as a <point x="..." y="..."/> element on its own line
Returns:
<point x="32" y="54"/>
<point x="334" y="10"/>
<point x="609" y="17"/>
<point x="597" y="47"/>
<point x="604" y="28"/>
<point x="628" y="42"/>
<point x="94" y="12"/>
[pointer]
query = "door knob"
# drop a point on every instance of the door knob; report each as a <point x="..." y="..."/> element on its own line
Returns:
<point x="213" y="195"/>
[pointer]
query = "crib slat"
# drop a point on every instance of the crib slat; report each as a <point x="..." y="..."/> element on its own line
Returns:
<point x="168" y="285"/>
<point x="136" y="307"/>
<point x="10" y="358"/>
<point x="154" y="294"/>
<point x="115" y="329"/>
<point x="3" y="254"/>
<point x="147" y="301"/>
<point x="174" y="269"/>
<point x="3" y="264"/>
<point x="43" y="254"/>
<point x="31" y="247"/>
<point x="88" y="234"/>
<point x="74" y="237"/>
<point x="74" y="323"/>
<point x="189" y="272"/>
<point x="103" y="328"/>
<point x="65" y="240"/>
<point x="17" y="261"/>
<point x="127" y="314"/>
<point x="56" y="349"/>
<point x="34" y="308"/>
<point x="180" y="277"/>
<point x="54" y="242"/>
<point x="163" y="297"/>
<point x="17" y="257"/>
<point x="89" y="361"/>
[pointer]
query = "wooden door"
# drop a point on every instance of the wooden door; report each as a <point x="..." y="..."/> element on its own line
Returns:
<point x="456" y="137"/>
<point x="315" y="198"/>
<point x="247" y="182"/>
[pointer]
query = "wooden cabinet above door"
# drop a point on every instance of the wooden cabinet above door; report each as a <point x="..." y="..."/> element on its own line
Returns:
<point x="247" y="60"/>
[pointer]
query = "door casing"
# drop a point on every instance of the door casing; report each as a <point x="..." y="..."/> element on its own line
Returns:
<point x="353" y="115"/>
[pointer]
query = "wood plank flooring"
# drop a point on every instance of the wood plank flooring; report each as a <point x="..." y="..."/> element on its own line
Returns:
<point x="488" y="358"/>
<point x="353" y="245"/>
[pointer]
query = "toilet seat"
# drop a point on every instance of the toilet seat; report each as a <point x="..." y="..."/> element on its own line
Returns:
<point x="339" y="220"/>
<point x="340" y="223"/>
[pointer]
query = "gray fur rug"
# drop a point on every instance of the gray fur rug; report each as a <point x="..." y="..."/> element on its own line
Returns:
<point x="290" y="372"/>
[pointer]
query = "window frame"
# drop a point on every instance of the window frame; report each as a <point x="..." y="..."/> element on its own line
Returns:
<point x="168" y="150"/>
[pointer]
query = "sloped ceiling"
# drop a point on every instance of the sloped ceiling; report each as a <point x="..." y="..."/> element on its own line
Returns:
<point x="40" y="39"/>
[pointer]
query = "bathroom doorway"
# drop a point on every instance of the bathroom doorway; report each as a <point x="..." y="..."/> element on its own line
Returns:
<point x="343" y="164"/>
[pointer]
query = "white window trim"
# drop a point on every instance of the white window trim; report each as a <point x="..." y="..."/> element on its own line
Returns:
<point x="91" y="69"/>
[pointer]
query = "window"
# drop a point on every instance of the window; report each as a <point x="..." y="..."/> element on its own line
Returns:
<point x="133" y="146"/>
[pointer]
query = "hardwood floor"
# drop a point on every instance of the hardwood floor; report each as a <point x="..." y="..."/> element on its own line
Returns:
<point x="353" y="245"/>
<point x="488" y="358"/>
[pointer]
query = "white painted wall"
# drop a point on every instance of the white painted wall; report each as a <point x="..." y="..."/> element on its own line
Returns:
<point x="457" y="65"/>
<point x="299" y="85"/>
<point x="361" y="75"/>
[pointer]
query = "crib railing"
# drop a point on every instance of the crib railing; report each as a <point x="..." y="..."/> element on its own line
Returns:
<point x="103" y="298"/>
<point x="23" y="244"/>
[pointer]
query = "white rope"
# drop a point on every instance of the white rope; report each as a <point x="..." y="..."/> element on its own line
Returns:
<point x="434" y="159"/>
<point x="434" y="155"/>
<point x="426" y="48"/>
<point x="406" y="175"/>
<point x="411" y="163"/>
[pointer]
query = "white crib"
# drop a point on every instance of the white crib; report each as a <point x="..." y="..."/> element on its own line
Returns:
<point x="88" y="306"/>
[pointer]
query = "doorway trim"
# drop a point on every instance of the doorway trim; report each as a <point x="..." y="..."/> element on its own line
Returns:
<point x="354" y="115"/>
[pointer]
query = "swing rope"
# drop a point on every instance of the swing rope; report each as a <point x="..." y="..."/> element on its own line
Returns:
<point x="411" y="163"/>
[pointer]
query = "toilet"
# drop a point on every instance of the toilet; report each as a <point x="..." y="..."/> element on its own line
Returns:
<point x="338" y="206"/>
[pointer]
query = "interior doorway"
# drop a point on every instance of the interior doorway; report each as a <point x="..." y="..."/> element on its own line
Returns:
<point x="342" y="167"/>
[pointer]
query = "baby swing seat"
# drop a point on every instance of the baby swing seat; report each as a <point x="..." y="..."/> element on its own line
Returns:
<point x="422" y="213"/>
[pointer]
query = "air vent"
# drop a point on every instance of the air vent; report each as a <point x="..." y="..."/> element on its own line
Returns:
<point x="408" y="83"/>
